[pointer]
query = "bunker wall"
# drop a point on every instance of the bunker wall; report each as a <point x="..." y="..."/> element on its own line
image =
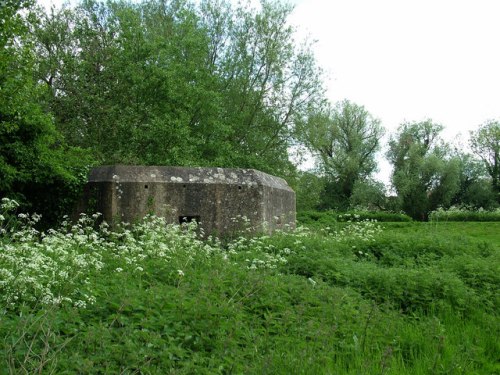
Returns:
<point x="218" y="198"/>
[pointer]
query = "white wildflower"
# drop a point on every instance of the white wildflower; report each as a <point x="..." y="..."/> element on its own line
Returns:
<point x="80" y="304"/>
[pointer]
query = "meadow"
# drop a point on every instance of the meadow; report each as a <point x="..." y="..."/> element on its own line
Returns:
<point x="347" y="297"/>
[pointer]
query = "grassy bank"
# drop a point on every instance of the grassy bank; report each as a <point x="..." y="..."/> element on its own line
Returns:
<point x="357" y="298"/>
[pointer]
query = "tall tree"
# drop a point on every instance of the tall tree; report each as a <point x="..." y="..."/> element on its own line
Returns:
<point x="168" y="82"/>
<point x="118" y="84"/>
<point x="346" y="138"/>
<point x="485" y="143"/>
<point x="36" y="167"/>
<point x="268" y="83"/>
<point x="424" y="174"/>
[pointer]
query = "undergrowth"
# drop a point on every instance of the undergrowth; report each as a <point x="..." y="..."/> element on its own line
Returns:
<point x="351" y="298"/>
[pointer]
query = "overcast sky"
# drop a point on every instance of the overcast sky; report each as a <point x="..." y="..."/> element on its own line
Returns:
<point x="408" y="60"/>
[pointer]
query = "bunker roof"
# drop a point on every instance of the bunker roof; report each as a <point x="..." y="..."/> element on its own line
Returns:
<point x="184" y="175"/>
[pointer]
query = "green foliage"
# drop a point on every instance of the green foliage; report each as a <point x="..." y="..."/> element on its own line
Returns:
<point x="308" y="191"/>
<point x="485" y="143"/>
<point x="346" y="138"/>
<point x="412" y="272"/>
<point x="475" y="188"/>
<point x="424" y="176"/>
<point x="479" y="194"/>
<point x="415" y="299"/>
<point x="36" y="166"/>
<point x="168" y="82"/>
<point x="369" y="194"/>
<point x="171" y="83"/>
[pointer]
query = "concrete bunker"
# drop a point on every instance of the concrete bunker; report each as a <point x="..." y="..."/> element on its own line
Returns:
<point x="215" y="197"/>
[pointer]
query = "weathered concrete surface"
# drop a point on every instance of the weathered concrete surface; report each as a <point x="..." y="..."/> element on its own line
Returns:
<point x="212" y="196"/>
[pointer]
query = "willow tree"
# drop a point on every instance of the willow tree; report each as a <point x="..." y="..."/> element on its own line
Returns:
<point x="425" y="176"/>
<point x="346" y="138"/>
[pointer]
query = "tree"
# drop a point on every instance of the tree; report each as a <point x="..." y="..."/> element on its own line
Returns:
<point x="346" y="138"/>
<point x="369" y="194"/>
<point x="475" y="189"/>
<point x="36" y="167"/>
<point x="172" y="83"/>
<point x="485" y="143"/>
<point x="268" y="83"/>
<point x="117" y="85"/>
<point x="424" y="176"/>
<point x="308" y="191"/>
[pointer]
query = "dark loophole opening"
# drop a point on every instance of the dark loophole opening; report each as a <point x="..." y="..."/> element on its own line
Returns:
<point x="188" y="219"/>
<point x="145" y="186"/>
<point x="239" y="187"/>
<point x="183" y="186"/>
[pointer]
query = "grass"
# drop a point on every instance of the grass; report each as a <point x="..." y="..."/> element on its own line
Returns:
<point x="412" y="298"/>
